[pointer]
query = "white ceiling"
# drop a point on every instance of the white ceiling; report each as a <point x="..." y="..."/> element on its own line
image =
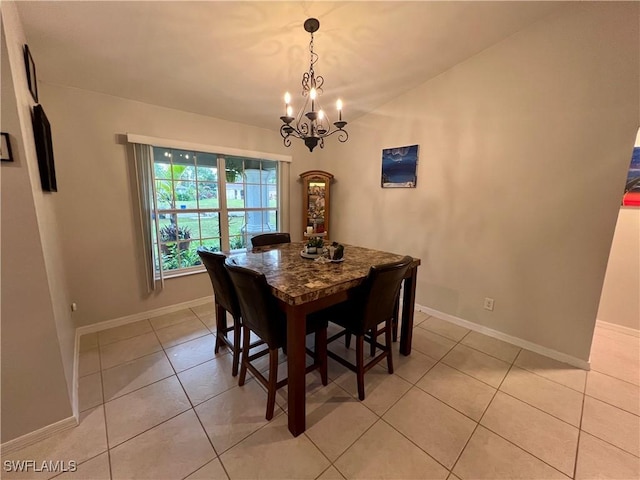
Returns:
<point x="235" y="59"/>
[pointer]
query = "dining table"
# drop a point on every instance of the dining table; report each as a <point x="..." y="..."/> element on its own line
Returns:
<point x="305" y="285"/>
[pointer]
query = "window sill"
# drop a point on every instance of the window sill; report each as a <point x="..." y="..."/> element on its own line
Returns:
<point x="184" y="272"/>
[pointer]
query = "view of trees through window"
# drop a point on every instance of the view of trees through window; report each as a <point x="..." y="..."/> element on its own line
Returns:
<point x="198" y="207"/>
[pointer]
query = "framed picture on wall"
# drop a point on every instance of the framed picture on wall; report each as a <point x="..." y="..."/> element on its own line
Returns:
<point x="5" y="148"/>
<point x="44" y="149"/>
<point x="399" y="167"/>
<point x="631" y="196"/>
<point x="31" y="73"/>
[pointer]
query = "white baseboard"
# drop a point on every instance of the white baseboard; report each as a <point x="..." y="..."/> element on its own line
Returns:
<point x="34" y="437"/>
<point x="117" y="322"/>
<point x="75" y="400"/>
<point x="547" y="352"/>
<point x="618" y="328"/>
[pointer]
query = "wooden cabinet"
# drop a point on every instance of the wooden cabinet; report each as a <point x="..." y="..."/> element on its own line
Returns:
<point x="316" y="187"/>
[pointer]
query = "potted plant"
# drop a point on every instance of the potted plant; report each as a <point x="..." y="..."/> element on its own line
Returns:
<point x="313" y="244"/>
<point x="172" y="233"/>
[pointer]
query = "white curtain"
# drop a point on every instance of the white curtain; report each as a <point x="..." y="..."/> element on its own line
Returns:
<point x="143" y="155"/>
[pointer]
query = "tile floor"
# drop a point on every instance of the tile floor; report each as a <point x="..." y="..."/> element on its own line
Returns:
<point x="156" y="403"/>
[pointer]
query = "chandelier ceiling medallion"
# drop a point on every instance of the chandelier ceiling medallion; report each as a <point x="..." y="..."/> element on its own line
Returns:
<point x="311" y="124"/>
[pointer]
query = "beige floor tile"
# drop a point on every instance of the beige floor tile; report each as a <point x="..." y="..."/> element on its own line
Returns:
<point x="617" y="356"/>
<point x="168" y="319"/>
<point x="383" y="453"/>
<point x="138" y="373"/>
<point x="331" y="473"/>
<point x="559" y="372"/>
<point x="412" y="367"/>
<point x="173" y="449"/>
<point x="615" y="392"/>
<point x="490" y="457"/>
<point x="479" y="365"/>
<point x="625" y="338"/>
<point x="491" y="346"/>
<point x="88" y="362"/>
<point x="418" y="317"/>
<point x="194" y="352"/>
<point x="272" y="452"/>
<point x="381" y="389"/>
<point x="79" y="444"/>
<point x="444" y="328"/>
<point x="557" y="400"/>
<point x="89" y="391"/>
<point x="328" y="411"/>
<point x="598" y="459"/>
<point x="313" y="385"/>
<point x="612" y="425"/>
<point x="123" y="332"/>
<point x="431" y="344"/>
<point x="129" y="349"/>
<point x="458" y="390"/>
<point x="435" y="427"/>
<point x="204" y="308"/>
<point x="551" y="440"/>
<point x="88" y="341"/>
<point x="453" y="477"/>
<point x="96" y="468"/>
<point x="143" y="409"/>
<point x="207" y="314"/>
<point x="211" y="471"/>
<point x="233" y="415"/>
<point x="208" y="379"/>
<point x="181" y="332"/>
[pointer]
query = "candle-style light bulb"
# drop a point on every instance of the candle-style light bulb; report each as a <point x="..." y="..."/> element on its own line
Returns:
<point x="287" y="108"/>
<point x="320" y="115"/>
<point x="339" y="107"/>
<point x="313" y="94"/>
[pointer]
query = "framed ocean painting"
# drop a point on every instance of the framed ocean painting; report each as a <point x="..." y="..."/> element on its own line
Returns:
<point x="631" y="196"/>
<point x="399" y="167"/>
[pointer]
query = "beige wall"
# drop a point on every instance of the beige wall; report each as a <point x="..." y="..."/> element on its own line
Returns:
<point x="620" y="302"/>
<point x="97" y="204"/>
<point x="37" y="332"/>
<point x="524" y="150"/>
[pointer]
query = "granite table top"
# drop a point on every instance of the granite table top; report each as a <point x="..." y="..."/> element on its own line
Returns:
<point x="297" y="280"/>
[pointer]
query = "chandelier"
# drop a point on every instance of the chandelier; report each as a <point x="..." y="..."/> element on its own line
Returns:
<point x="311" y="124"/>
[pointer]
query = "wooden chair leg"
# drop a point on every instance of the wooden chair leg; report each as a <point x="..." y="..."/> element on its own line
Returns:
<point x="387" y="339"/>
<point x="396" y="316"/>
<point x="245" y="355"/>
<point x="374" y="338"/>
<point x="321" y="353"/>
<point x="221" y="326"/>
<point x="273" y="380"/>
<point x="360" y="365"/>
<point x="237" y="335"/>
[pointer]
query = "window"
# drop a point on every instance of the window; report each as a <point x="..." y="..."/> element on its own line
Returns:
<point x="196" y="205"/>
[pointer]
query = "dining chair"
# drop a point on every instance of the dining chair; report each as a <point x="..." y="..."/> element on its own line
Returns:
<point x="271" y="238"/>
<point x="262" y="316"/>
<point x="225" y="296"/>
<point x="372" y="303"/>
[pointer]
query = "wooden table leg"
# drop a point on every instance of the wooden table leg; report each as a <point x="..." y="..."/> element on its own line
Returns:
<point x="408" y="304"/>
<point x="296" y="333"/>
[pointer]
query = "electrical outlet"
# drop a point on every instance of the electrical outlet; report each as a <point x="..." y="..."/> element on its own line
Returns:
<point x="74" y="306"/>
<point x="488" y="304"/>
